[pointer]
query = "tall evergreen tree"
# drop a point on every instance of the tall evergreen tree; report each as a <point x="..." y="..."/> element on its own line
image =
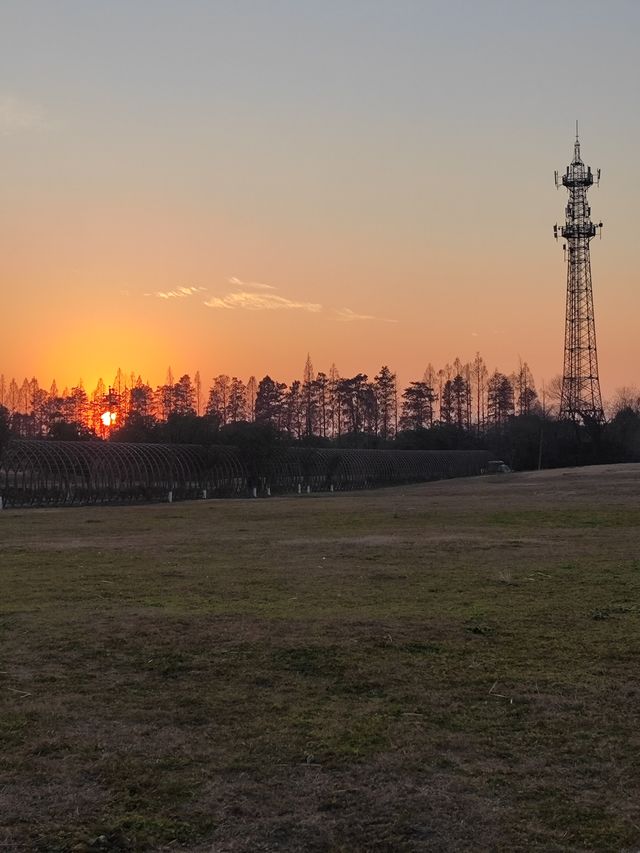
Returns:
<point x="417" y="406"/>
<point x="385" y="393"/>
<point x="270" y="401"/>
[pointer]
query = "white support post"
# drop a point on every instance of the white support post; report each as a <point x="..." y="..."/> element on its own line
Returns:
<point x="170" y="496"/>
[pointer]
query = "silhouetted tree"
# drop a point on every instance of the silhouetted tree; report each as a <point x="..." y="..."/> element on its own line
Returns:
<point x="310" y="399"/>
<point x="141" y="403"/>
<point x="270" y="401"/>
<point x="75" y="406"/>
<point x="525" y="391"/>
<point x="237" y="407"/>
<point x="335" y="407"/>
<point x="460" y="401"/>
<point x="70" y="431"/>
<point x="417" y="406"/>
<point x="197" y="387"/>
<point x="218" y="403"/>
<point x="293" y="411"/>
<point x="13" y="396"/>
<point x="479" y="373"/>
<point x="188" y="428"/>
<point x="624" y="433"/>
<point x="137" y="428"/>
<point x="183" y="397"/>
<point x="446" y="403"/>
<point x="39" y="408"/>
<point x="351" y="393"/>
<point x="252" y="390"/>
<point x="499" y="399"/>
<point x="385" y="393"/>
<point x="370" y="423"/>
<point x="5" y="427"/>
<point x="322" y="398"/>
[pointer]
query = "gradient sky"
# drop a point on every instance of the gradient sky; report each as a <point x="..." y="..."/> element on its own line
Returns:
<point x="226" y="186"/>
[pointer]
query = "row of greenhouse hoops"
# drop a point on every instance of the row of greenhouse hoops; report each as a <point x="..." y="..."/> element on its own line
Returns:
<point x="55" y="473"/>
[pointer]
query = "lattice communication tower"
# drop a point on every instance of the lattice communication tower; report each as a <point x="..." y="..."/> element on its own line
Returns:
<point x="580" y="399"/>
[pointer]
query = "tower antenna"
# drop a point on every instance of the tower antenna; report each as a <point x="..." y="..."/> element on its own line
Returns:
<point x="580" y="398"/>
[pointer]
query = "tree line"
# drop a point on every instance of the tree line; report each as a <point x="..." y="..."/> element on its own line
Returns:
<point x="460" y="405"/>
<point x="324" y="405"/>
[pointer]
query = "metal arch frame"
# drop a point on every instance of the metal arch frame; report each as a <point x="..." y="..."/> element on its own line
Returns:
<point x="40" y="472"/>
<point x="226" y="473"/>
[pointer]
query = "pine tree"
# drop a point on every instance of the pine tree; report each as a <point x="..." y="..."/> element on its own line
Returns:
<point x="270" y="401"/>
<point x="385" y="392"/>
<point x="417" y="406"/>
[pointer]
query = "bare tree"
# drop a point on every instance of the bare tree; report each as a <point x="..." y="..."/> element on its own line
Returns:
<point x="218" y="403"/>
<point x="335" y="403"/>
<point x="479" y="373"/>
<point x="323" y="402"/>
<point x="252" y="390"/>
<point x="309" y="398"/>
<point x="197" y="385"/>
<point x="525" y="390"/>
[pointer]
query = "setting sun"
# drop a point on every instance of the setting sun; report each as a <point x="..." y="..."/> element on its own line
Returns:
<point x="108" y="418"/>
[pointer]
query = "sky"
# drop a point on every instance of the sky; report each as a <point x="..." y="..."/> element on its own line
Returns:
<point x="228" y="186"/>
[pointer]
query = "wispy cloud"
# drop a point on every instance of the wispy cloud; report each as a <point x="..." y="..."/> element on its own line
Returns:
<point x="247" y="301"/>
<point x="258" y="296"/>
<point x="252" y="285"/>
<point x="17" y="114"/>
<point x="346" y="315"/>
<point x="178" y="293"/>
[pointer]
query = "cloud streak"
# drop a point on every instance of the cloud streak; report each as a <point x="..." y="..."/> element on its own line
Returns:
<point x="258" y="296"/>
<point x="178" y="293"/>
<point x="17" y="115"/>
<point x="246" y="301"/>
<point x="346" y="315"/>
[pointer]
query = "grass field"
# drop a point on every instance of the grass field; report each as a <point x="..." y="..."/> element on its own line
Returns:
<point x="450" y="666"/>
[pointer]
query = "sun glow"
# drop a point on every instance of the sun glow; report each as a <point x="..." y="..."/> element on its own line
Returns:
<point x="108" y="418"/>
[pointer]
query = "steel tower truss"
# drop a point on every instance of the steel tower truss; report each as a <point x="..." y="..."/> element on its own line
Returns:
<point x="580" y="399"/>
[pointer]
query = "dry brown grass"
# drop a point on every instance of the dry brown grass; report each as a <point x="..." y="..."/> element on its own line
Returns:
<point x="441" y="667"/>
